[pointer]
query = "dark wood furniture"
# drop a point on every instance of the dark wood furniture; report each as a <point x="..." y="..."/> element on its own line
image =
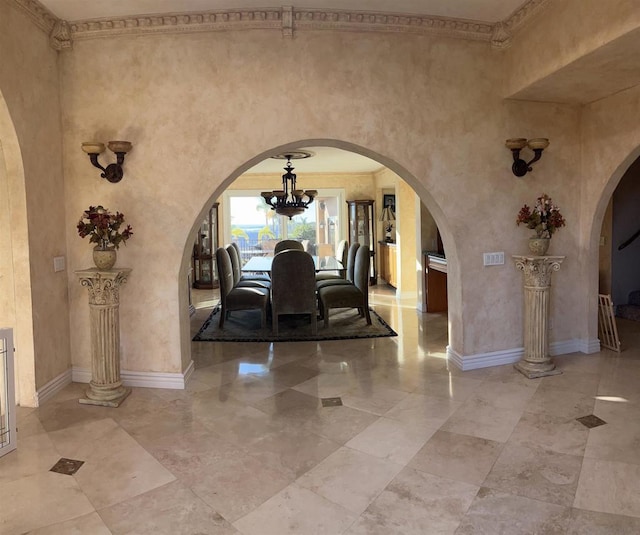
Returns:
<point x="203" y="258"/>
<point x="435" y="282"/>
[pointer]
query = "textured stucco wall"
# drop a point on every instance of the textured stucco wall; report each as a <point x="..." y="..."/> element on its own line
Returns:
<point x="201" y="109"/>
<point x="610" y="144"/>
<point x="29" y="86"/>
<point x="563" y="32"/>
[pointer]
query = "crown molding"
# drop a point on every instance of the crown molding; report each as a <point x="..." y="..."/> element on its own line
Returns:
<point x="40" y="15"/>
<point x="285" y="19"/>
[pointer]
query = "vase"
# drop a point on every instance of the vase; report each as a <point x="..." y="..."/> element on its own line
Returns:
<point x="104" y="257"/>
<point x="539" y="246"/>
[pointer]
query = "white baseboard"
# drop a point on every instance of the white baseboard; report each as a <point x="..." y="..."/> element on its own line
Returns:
<point x="174" y="381"/>
<point x="511" y="356"/>
<point x="53" y="387"/>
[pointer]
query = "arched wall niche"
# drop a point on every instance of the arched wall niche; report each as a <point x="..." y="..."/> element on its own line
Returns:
<point x="386" y="161"/>
<point x="15" y="281"/>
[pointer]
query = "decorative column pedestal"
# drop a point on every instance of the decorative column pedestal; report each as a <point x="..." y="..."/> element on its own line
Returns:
<point x="537" y="270"/>
<point x="105" y="387"/>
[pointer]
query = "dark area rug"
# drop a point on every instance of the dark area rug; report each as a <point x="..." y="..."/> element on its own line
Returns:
<point x="244" y="326"/>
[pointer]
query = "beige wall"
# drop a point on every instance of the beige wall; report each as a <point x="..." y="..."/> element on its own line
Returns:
<point x="32" y="145"/>
<point x="201" y="109"/>
<point x="434" y="107"/>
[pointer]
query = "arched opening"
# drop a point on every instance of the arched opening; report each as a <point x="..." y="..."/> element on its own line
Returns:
<point x="618" y="244"/>
<point x="413" y="205"/>
<point x="15" y="282"/>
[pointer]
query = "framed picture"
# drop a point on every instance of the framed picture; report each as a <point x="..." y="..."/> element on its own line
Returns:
<point x="389" y="200"/>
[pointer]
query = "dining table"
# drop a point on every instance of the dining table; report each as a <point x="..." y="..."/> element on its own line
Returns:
<point x="262" y="264"/>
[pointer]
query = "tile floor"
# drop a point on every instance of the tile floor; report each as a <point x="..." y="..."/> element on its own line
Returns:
<point x="415" y="448"/>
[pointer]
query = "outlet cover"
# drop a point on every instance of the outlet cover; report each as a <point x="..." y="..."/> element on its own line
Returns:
<point x="58" y="263"/>
<point x="493" y="259"/>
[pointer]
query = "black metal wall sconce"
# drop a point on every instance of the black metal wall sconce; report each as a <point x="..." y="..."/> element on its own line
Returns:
<point x="537" y="145"/>
<point x="113" y="172"/>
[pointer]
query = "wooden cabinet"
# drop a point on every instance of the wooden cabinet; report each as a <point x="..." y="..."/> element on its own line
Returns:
<point x="204" y="250"/>
<point x="362" y="229"/>
<point x="388" y="263"/>
<point x="435" y="283"/>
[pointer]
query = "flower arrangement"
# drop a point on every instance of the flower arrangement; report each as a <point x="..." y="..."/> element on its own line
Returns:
<point x="103" y="227"/>
<point x="545" y="218"/>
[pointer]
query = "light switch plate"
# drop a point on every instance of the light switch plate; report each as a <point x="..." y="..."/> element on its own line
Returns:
<point x="493" y="259"/>
<point x="58" y="263"/>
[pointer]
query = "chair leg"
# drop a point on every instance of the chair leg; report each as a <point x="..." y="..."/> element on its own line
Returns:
<point x="314" y="323"/>
<point x="263" y="322"/>
<point x="274" y="322"/>
<point x="223" y="313"/>
<point x="325" y="313"/>
<point x="367" y="315"/>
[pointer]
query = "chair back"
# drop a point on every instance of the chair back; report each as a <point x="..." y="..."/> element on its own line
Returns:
<point x="288" y="244"/>
<point x="361" y="269"/>
<point x="235" y="263"/>
<point x="225" y="271"/>
<point x="293" y="283"/>
<point x="351" y="260"/>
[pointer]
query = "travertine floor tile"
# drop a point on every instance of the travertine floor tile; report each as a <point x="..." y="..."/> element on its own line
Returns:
<point x="40" y="500"/>
<point x="296" y="511"/>
<point x="536" y="473"/>
<point x="250" y="443"/>
<point x="499" y="513"/>
<point x="167" y="510"/>
<point x="350" y="478"/>
<point x="609" y="487"/>
<point x="391" y="439"/>
<point x="459" y="457"/>
<point x="415" y="502"/>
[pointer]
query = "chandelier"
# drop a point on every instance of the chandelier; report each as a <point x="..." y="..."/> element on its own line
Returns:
<point x="290" y="201"/>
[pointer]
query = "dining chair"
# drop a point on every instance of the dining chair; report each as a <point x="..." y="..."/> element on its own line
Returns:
<point x="349" y="272"/>
<point x="293" y="286"/>
<point x="232" y="297"/>
<point x="250" y="281"/>
<point x="288" y="244"/>
<point x="354" y="295"/>
<point x="341" y="256"/>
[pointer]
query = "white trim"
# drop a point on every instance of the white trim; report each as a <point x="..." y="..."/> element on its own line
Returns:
<point x="511" y="356"/>
<point x="53" y="387"/>
<point x="173" y="381"/>
<point x="589" y="346"/>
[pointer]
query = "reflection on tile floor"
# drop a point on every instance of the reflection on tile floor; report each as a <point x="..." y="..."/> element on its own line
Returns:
<point x="370" y="437"/>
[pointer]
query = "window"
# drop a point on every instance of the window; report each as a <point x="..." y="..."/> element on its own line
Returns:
<point x="256" y="228"/>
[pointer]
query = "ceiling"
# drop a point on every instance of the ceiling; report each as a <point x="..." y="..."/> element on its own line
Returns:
<point x="479" y="10"/>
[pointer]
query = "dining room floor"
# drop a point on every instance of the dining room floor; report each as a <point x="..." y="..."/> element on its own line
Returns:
<point x="368" y="436"/>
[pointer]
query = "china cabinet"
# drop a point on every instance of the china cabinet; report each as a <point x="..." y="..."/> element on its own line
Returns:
<point x="362" y="229"/>
<point x="204" y="249"/>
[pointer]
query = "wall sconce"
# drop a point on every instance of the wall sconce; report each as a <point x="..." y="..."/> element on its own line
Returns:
<point x="537" y="145"/>
<point x="113" y="172"/>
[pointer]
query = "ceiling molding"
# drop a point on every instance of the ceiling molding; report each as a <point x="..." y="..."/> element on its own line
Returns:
<point x="286" y="20"/>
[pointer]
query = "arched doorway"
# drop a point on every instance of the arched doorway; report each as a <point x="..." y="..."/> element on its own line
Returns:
<point x="15" y="283"/>
<point x="421" y="202"/>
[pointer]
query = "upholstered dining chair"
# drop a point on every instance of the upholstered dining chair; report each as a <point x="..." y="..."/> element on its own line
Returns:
<point x="342" y="252"/>
<point x="237" y="298"/>
<point x="293" y="286"/>
<point x="250" y="281"/>
<point x="288" y="244"/>
<point x="351" y="262"/>
<point x="354" y="295"/>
